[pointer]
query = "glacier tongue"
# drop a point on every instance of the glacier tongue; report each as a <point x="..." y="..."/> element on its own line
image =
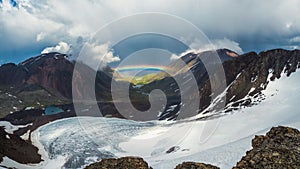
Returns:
<point x="85" y="140"/>
<point x="164" y="144"/>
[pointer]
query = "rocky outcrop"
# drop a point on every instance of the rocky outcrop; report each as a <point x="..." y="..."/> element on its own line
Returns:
<point x="193" y="165"/>
<point x="120" y="163"/>
<point x="1" y="157"/>
<point x="280" y="148"/>
<point x="139" y="163"/>
<point x="17" y="149"/>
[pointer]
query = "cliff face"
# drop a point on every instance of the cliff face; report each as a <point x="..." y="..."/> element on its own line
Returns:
<point x="248" y="74"/>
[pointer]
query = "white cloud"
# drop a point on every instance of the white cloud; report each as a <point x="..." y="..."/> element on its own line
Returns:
<point x="6" y="5"/>
<point x="62" y="47"/>
<point x="215" y="44"/>
<point x="96" y="55"/>
<point x="175" y="57"/>
<point x="295" y="39"/>
<point x="20" y="28"/>
<point x="227" y="43"/>
<point x="40" y="36"/>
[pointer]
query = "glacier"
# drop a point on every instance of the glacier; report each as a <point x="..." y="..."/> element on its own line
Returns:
<point x="79" y="141"/>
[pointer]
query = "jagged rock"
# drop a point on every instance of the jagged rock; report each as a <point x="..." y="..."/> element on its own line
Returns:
<point x="120" y="163"/>
<point x="17" y="149"/>
<point x="280" y="148"/>
<point x="193" y="165"/>
<point x="1" y="157"/>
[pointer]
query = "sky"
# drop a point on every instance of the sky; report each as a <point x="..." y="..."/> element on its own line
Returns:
<point x="31" y="27"/>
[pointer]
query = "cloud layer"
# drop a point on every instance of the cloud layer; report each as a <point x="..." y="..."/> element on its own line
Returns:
<point x="98" y="55"/>
<point x="62" y="47"/>
<point x="34" y="25"/>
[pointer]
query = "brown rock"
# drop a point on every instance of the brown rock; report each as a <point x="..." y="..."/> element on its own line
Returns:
<point x="193" y="165"/>
<point x="280" y="148"/>
<point x="1" y="157"/>
<point x="120" y="163"/>
<point x="17" y="149"/>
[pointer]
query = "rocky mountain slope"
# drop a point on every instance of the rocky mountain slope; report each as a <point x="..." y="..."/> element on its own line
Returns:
<point x="13" y="147"/>
<point x="42" y="81"/>
<point x="37" y="82"/>
<point x="246" y="76"/>
<point x="47" y="80"/>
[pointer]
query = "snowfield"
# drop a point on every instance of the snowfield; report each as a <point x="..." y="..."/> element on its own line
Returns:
<point x="76" y="142"/>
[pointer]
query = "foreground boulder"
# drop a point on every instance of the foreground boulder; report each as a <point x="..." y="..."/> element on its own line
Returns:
<point x="17" y="149"/>
<point x="280" y="148"/>
<point x="120" y="163"/>
<point x="193" y="165"/>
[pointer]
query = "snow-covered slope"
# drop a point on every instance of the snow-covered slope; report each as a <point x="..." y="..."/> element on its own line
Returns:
<point x="221" y="141"/>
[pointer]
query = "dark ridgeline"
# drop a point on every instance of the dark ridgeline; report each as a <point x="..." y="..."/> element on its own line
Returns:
<point x="47" y="80"/>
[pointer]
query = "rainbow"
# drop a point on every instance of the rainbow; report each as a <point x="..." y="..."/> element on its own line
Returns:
<point x="141" y="67"/>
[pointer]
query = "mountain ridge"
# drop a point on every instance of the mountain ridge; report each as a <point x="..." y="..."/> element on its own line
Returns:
<point x="52" y="74"/>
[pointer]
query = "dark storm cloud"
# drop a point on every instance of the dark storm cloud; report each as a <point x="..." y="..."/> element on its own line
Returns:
<point x="249" y="24"/>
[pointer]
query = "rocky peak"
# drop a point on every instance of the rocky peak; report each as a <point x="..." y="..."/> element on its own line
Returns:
<point x="53" y="71"/>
